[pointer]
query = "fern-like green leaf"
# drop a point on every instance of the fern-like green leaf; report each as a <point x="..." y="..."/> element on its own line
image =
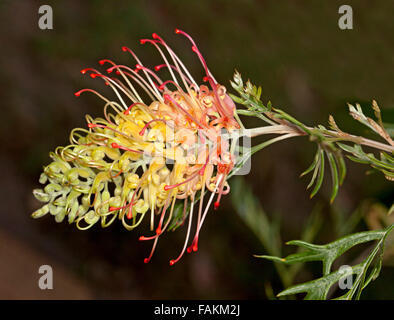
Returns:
<point x="318" y="289"/>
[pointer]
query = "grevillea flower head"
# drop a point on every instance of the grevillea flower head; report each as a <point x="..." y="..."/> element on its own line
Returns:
<point x="154" y="161"/>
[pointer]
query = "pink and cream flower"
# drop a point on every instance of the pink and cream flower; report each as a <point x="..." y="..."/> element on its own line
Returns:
<point x="166" y="159"/>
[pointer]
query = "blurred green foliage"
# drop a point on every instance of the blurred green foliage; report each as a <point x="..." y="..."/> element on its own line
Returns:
<point x="294" y="49"/>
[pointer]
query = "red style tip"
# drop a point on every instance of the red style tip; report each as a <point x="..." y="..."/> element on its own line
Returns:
<point x="155" y="36"/>
<point x="114" y="145"/>
<point x="113" y="209"/>
<point x="146" y="260"/>
<point x="138" y="66"/>
<point x="194" y="48"/>
<point x="158" y="230"/>
<point x="177" y="31"/>
<point x="172" y="262"/>
<point x="77" y="94"/>
<point x="143" y="41"/>
<point x="91" y="125"/>
<point x="109" y="70"/>
<point x="193" y="247"/>
<point x="157" y="68"/>
<point x="93" y="75"/>
<point x="83" y="71"/>
<point x="216" y="205"/>
<point x="101" y="62"/>
<point x="167" y="187"/>
<point x="124" y="49"/>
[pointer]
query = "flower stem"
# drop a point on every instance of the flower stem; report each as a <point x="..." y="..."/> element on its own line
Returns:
<point x="286" y="129"/>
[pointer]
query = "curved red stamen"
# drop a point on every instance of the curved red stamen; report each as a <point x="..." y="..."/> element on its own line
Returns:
<point x="148" y="123"/>
<point x="222" y="110"/>
<point x="195" y="49"/>
<point x="217" y="203"/>
<point x="143" y="238"/>
<point x="168" y="97"/>
<point x="95" y="125"/>
<point x="178" y="31"/>
<point x="102" y="61"/>
<point x="78" y="93"/>
<point x="159" y="229"/>
<point x="146" y="260"/>
<point x="161" y="87"/>
<point x="159" y="66"/>
<point x="202" y="170"/>
<point x="199" y="172"/>
<point x="129" y="205"/>
<point x="172" y="186"/>
<point x="173" y="261"/>
<point x="106" y="78"/>
<point x="143" y="41"/>
<point x="94" y="75"/>
<point x="127" y="49"/>
<point x="117" y="146"/>
<point x="110" y="69"/>
<point x="127" y="111"/>
<point x="193" y="246"/>
<point x="141" y="67"/>
<point x="83" y="71"/>
<point x="208" y="76"/>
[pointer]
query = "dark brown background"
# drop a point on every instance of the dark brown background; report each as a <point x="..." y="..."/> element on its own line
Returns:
<point x="294" y="49"/>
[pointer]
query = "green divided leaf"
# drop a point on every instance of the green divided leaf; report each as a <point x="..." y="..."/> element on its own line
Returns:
<point x="268" y="230"/>
<point x="337" y="166"/>
<point x="321" y="174"/>
<point x="319" y="288"/>
<point x="341" y="166"/>
<point x="334" y="175"/>
<point x="385" y="164"/>
<point x="312" y="166"/>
